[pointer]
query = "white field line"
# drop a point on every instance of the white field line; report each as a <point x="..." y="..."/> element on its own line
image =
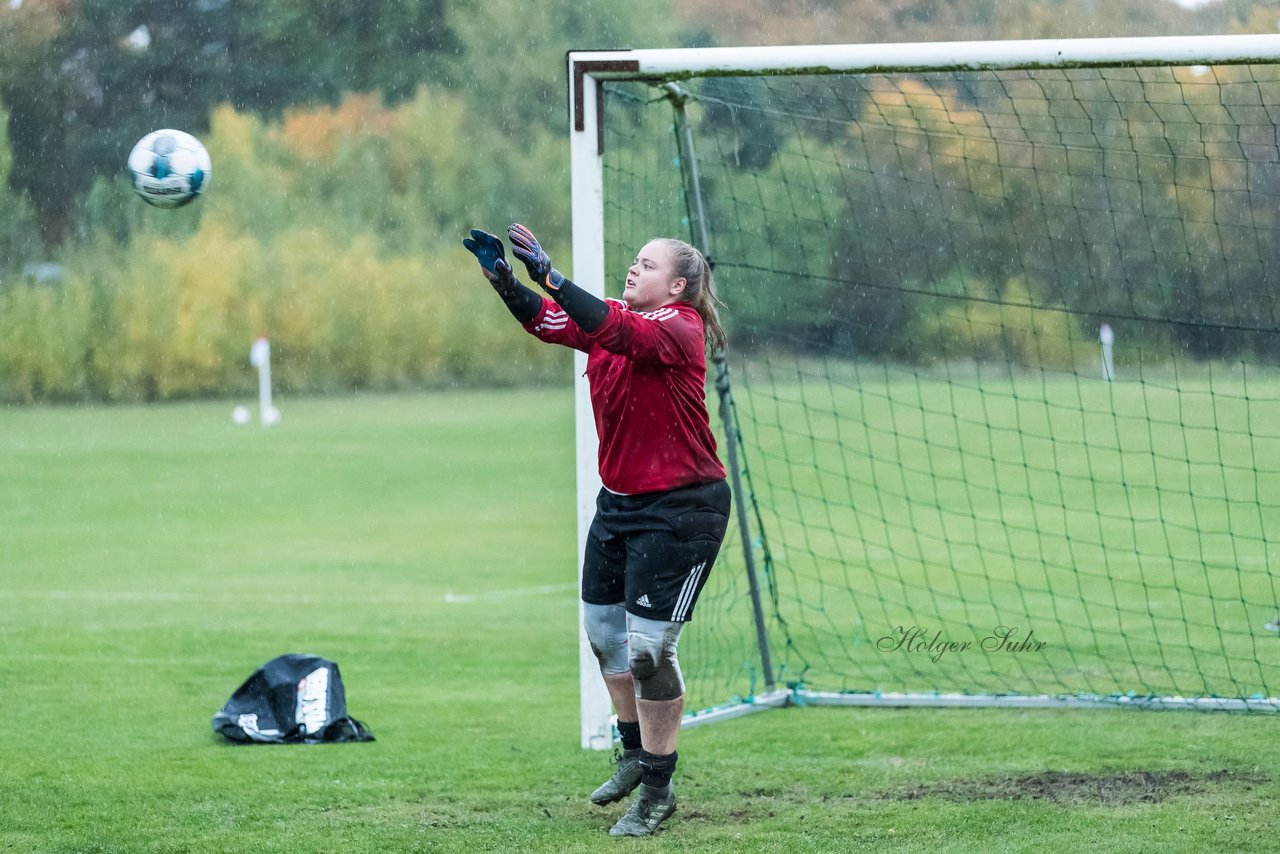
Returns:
<point x="105" y="659"/>
<point x="518" y="593"/>
<point x="259" y="596"/>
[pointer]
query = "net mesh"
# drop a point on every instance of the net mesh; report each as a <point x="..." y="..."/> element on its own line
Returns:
<point x="1003" y="356"/>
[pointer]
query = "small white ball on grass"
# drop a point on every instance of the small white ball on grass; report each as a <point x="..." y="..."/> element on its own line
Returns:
<point x="241" y="415"/>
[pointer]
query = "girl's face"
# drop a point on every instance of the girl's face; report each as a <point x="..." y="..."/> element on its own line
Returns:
<point x="651" y="282"/>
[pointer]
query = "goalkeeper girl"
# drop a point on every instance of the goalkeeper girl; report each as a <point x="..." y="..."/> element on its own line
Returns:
<point x="664" y="508"/>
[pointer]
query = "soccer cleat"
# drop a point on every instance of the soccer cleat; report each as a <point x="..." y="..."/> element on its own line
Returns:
<point x="625" y="778"/>
<point x="650" y="808"/>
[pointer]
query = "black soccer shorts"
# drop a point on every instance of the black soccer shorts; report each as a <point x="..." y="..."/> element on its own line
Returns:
<point x="653" y="552"/>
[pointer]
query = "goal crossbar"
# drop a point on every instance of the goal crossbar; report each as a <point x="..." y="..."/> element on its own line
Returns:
<point x="669" y="64"/>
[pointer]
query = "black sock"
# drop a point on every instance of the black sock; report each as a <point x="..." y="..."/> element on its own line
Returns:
<point x="629" y="732"/>
<point x="656" y="770"/>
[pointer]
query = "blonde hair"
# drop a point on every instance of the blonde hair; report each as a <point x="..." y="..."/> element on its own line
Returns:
<point x="700" y="288"/>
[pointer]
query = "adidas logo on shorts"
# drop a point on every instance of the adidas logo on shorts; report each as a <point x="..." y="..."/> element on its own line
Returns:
<point x="643" y="601"/>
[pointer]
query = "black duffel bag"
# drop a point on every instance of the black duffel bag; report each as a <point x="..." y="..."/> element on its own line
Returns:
<point x="292" y="699"/>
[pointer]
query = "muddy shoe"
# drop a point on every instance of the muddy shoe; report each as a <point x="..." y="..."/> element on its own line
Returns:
<point x="625" y="778"/>
<point x="650" y="808"/>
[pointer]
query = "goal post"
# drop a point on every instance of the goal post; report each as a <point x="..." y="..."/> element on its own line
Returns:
<point x="1002" y="394"/>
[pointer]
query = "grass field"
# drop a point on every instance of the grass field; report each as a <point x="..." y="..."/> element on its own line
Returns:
<point x="152" y="557"/>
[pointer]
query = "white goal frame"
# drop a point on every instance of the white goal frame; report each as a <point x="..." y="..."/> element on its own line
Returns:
<point x="587" y="71"/>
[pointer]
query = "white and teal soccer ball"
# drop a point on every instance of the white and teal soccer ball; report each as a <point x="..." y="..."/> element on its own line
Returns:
<point x="169" y="168"/>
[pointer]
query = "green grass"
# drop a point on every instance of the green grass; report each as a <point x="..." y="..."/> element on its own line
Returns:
<point x="152" y="557"/>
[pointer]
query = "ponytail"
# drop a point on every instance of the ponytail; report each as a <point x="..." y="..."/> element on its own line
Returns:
<point x="699" y="290"/>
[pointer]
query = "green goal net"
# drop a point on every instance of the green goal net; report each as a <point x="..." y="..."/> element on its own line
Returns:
<point x="1005" y="371"/>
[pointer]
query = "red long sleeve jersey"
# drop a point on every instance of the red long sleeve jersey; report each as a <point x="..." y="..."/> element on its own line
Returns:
<point x="647" y="372"/>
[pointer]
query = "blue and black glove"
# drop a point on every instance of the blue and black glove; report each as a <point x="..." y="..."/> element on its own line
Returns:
<point x="523" y="303"/>
<point x="526" y="247"/>
<point x="490" y="253"/>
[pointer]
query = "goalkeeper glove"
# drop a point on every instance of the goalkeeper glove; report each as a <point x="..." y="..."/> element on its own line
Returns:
<point x="492" y="257"/>
<point x="525" y="247"/>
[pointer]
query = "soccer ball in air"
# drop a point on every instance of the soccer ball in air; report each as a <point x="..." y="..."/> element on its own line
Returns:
<point x="169" y="168"/>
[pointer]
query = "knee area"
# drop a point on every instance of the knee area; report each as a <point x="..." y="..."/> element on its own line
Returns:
<point x="654" y="665"/>
<point x="643" y="665"/>
<point x="606" y="628"/>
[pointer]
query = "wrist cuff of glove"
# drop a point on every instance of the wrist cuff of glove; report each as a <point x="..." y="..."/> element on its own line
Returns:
<point x="554" y="279"/>
<point x="500" y="277"/>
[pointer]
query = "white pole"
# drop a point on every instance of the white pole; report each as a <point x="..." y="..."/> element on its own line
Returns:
<point x="1108" y="338"/>
<point x="588" y="272"/>
<point x="260" y="358"/>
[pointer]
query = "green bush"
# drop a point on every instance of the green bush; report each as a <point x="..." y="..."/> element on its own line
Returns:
<point x="44" y="335"/>
<point x="174" y="318"/>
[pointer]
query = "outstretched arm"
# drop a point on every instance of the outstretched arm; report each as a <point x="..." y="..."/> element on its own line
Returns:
<point x="586" y="310"/>
<point x="523" y="303"/>
<point x="666" y="336"/>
